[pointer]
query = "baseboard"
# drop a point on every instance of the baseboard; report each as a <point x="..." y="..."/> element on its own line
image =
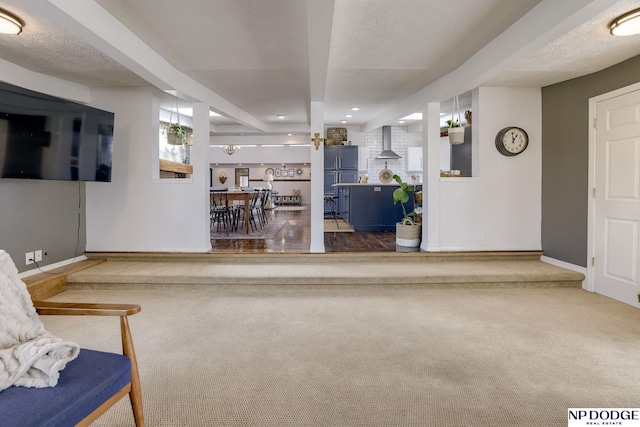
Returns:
<point x="568" y="266"/>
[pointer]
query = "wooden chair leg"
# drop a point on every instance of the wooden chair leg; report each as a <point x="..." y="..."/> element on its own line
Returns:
<point x="135" y="394"/>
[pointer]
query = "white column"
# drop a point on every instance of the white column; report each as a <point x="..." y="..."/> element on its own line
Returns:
<point x="431" y="173"/>
<point x="200" y="161"/>
<point x="317" y="179"/>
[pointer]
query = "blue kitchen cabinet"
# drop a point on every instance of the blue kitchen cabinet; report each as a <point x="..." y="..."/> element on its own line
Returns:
<point x="371" y="207"/>
<point x="340" y="167"/>
<point x="348" y="157"/>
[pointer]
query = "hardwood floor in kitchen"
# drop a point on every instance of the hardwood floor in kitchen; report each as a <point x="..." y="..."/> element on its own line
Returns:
<point x="295" y="237"/>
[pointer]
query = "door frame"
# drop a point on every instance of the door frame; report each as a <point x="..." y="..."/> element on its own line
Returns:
<point x="591" y="211"/>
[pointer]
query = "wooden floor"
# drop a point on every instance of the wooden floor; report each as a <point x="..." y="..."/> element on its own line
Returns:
<point x="295" y="237"/>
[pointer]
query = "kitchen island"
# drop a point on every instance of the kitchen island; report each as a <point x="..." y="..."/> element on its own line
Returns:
<point x="369" y="207"/>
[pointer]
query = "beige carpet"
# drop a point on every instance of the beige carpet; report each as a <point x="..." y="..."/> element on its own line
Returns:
<point x="362" y="356"/>
<point x="341" y="226"/>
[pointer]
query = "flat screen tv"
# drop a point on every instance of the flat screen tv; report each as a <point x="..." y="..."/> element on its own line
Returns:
<point x="44" y="137"/>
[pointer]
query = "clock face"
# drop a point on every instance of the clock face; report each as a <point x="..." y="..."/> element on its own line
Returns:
<point x="511" y="141"/>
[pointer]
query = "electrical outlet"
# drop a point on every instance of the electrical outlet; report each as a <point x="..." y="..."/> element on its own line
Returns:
<point x="28" y="258"/>
<point x="38" y="255"/>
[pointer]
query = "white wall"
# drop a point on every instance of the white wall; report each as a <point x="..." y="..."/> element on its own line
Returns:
<point x="500" y="208"/>
<point x="497" y="210"/>
<point x="260" y="155"/>
<point x="136" y="212"/>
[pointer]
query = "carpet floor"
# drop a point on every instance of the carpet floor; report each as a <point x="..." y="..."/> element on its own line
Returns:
<point x="361" y="356"/>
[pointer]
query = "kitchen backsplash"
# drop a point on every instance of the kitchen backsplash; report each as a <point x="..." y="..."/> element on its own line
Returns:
<point x="399" y="139"/>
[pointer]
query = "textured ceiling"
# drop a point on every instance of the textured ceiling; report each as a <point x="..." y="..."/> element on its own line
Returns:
<point x="250" y="58"/>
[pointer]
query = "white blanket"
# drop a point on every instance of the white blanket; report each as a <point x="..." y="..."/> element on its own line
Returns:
<point x="29" y="355"/>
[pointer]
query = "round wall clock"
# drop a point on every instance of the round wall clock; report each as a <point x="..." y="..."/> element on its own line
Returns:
<point x="512" y="141"/>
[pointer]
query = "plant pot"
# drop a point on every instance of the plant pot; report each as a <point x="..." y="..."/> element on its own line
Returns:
<point x="174" y="138"/>
<point x="456" y="136"/>
<point x="408" y="234"/>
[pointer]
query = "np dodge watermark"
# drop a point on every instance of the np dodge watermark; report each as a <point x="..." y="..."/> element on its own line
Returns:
<point x="626" y="417"/>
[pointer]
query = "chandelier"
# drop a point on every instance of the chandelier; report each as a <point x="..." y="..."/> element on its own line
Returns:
<point x="230" y="149"/>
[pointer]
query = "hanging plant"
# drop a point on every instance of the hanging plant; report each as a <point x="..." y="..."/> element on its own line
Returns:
<point x="456" y="132"/>
<point x="177" y="134"/>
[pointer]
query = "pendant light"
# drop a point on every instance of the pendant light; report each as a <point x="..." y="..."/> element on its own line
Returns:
<point x="230" y="149"/>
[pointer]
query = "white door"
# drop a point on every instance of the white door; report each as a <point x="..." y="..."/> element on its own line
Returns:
<point x="617" y="198"/>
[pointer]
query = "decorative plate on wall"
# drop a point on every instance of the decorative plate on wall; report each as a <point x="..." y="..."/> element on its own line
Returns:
<point x="386" y="175"/>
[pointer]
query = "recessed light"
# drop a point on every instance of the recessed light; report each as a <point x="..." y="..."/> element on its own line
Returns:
<point x="627" y="24"/>
<point x="289" y="134"/>
<point x="355" y="108"/>
<point x="400" y="121"/>
<point x="343" y="121"/>
<point x="281" y="116"/>
<point x="348" y="115"/>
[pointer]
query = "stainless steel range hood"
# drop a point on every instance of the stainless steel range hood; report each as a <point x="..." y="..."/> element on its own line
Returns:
<point x="387" y="153"/>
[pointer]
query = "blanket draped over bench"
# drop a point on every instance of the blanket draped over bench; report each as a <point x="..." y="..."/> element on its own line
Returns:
<point x="29" y="355"/>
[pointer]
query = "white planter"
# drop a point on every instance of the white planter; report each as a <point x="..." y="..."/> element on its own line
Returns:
<point x="174" y="138"/>
<point x="456" y="135"/>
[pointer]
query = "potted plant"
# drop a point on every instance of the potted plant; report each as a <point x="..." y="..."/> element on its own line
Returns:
<point x="456" y="132"/>
<point x="407" y="230"/>
<point x="176" y="135"/>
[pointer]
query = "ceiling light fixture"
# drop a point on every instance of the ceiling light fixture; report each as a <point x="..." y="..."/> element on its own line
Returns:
<point x="343" y="121"/>
<point x="9" y="23"/>
<point x="348" y="115"/>
<point x="626" y="25"/>
<point x="230" y="149"/>
<point x="355" y="108"/>
<point x="281" y="116"/>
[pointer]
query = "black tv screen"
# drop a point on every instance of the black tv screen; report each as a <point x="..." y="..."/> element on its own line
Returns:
<point x="44" y="137"/>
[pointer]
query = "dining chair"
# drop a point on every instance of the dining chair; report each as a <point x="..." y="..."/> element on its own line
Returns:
<point x="266" y="193"/>
<point x="221" y="214"/>
<point x="253" y="206"/>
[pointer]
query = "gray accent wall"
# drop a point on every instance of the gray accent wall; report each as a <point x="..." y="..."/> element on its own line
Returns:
<point x="38" y="214"/>
<point x="565" y="158"/>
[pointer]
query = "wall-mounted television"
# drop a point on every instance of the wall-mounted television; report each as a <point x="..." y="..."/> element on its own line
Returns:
<point x="44" y="137"/>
